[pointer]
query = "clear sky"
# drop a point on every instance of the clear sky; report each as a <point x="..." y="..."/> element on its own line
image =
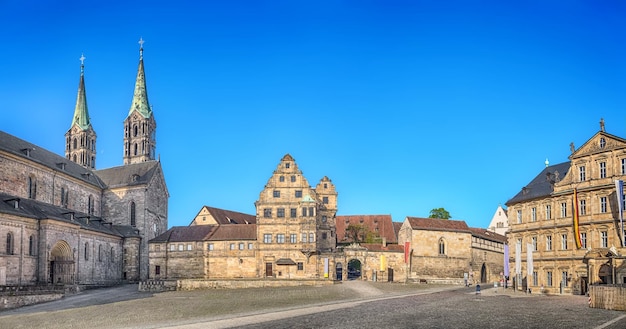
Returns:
<point x="405" y="105"/>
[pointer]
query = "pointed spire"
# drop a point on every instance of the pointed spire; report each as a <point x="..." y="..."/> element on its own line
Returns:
<point x="140" y="97"/>
<point x="81" y="113"/>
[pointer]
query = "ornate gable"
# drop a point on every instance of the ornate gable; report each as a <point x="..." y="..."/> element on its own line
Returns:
<point x="600" y="142"/>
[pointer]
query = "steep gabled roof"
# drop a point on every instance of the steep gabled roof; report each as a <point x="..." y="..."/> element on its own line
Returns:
<point x="381" y="224"/>
<point x="542" y="185"/>
<point x="128" y="175"/>
<point x="31" y="152"/>
<point x="223" y="216"/>
<point x="436" y="224"/>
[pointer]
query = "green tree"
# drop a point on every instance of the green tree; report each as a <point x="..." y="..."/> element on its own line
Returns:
<point x="356" y="232"/>
<point x="440" y="213"/>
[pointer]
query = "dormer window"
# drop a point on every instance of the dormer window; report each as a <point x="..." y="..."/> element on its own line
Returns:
<point x="602" y="142"/>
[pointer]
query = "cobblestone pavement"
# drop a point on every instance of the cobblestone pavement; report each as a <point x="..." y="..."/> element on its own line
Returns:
<point x="353" y="304"/>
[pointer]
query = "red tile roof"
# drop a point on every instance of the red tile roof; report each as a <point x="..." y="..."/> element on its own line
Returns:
<point x="223" y="216"/>
<point x="229" y="232"/>
<point x="379" y="247"/>
<point x="373" y="222"/>
<point x="488" y="235"/>
<point x="436" y="224"/>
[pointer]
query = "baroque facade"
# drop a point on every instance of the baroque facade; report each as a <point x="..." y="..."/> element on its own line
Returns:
<point x="542" y="216"/>
<point x="64" y="222"/>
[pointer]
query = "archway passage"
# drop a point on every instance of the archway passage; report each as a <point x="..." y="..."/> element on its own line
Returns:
<point x="61" y="264"/>
<point x="354" y="269"/>
<point x="483" y="274"/>
<point x="339" y="271"/>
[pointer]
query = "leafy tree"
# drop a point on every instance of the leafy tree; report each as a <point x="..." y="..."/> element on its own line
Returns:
<point x="356" y="232"/>
<point x="440" y="213"/>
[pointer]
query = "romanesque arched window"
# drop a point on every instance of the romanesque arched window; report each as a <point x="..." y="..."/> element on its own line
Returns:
<point x="75" y="143"/>
<point x="31" y="245"/>
<point x="32" y="187"/>
<point x="135" y="151"/>
<point x="100" y="253"/>
<point x="9" y="249"/>
<point x="132" y="214"/>
<point x="86" y="250"/>
<point x="90" y="205"/>
<point x="442" y="246"/>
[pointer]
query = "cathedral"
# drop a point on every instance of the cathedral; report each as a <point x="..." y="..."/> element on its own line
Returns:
<point x="62" y="221"/>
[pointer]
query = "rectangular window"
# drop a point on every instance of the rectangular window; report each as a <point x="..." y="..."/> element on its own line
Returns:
<point x="298" y="193"/>
<point x="533" y="214"/>
<point x="304" y="212"/>
<point x="563" y="241"/>
<point x="534" y="242"/>
<point x="519" y="216"/>
<point x="280" y="238"/>
<point x="304" y="235"/>
<point x="276" y="194"/>
<point x="602" y="169"/>
<point x="293" y="238"/>
<point x="548" y="212"/>
<point x="300" y="266"/>
<point x="267" y="238"/>
<point x="583" y="207"/>
<point x="564" y="279"/>
<point x="181" y="247"/>
<point x="325" y="200"/>
<point x="311" y="211"/>
<point x="581" y="173"/>
<point x="311" y="237"/>
<point x="267" y="213"/>
<point x="281" y="179"/>
<point x="189" y="246"/>
<point x="172" y="247"/>
<point x="232" y="246"/>
<point x="604" y="239"/>
<point x="293" y="212"/>
<point x="250" y="246"/>
<point x="624" y="166"/>
<point x="293" y="179"/>
<point x="324" y="236"/>
<point x="548" y="242"/>
<point x="209" y="247"/>
<point x="549" y="278"/>
<point x="535" y="279"/>
<point x="563" y="209"/>
<point x="157" y="270"/>
<point x="583" y="240"/>
<point x="280" y="212"/>
<point x="242" y="246"/>
<point x="603" y="204"/>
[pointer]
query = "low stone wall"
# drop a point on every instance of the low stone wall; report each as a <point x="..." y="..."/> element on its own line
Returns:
<point x="608" y="297"/>
<point x="189" y="284"/>
<point x="157" y="285"/>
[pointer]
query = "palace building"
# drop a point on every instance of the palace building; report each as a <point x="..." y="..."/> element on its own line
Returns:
<point x="63" y="221"/>
<point x="568" y="219"/>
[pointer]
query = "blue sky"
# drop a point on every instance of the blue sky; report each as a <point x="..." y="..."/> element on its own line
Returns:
<point x="405" y="105"/>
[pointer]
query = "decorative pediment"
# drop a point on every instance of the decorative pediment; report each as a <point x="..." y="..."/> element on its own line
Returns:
<point x="600" y="142"/>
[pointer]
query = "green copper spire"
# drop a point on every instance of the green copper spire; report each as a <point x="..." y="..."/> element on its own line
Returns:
<point x="140" y="97"/>
<point x="81" y="114"/>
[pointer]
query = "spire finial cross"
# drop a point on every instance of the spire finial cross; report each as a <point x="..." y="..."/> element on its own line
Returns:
<point x="82" y="59"/>
<point x="141" y="42"/>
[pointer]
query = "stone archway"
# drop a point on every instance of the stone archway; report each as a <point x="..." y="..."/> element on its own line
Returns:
<point x="61" y="261"/>
<point x="354" y="269"/>
<point x="483" y="274"/>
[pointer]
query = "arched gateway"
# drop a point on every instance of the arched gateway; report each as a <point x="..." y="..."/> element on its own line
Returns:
<point x="61" y="264"/>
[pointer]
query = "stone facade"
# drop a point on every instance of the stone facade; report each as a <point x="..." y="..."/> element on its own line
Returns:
<point x="541" y="217"/>
<point x="450" y="251"/>
<point x="63" y="222"/>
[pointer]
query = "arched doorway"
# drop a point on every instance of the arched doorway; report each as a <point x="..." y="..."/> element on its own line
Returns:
<point x="61" y="264"/>
<point x="483" y="274"/>
<point x="354" y="269"/>
<point x="339" y="272"/>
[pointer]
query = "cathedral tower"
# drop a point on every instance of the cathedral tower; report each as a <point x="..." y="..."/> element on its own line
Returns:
<point x="139" y="125"/>
<point x="80" y="139"/>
